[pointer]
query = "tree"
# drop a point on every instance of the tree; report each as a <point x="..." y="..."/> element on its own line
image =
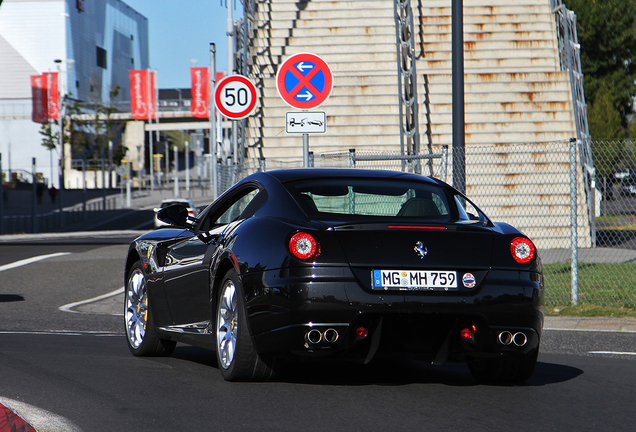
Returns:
<point x="607" y="34"/>
<point x="50" y="139"/>
<point x="604" y="121"/>
<point x="605" y="127"/>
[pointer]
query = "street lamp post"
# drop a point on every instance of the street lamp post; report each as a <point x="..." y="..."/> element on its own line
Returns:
<point x="213" y="122"/>
<point x="61" y="143"/>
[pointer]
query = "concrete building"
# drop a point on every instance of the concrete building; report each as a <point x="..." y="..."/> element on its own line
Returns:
<point x="92" y="44"/>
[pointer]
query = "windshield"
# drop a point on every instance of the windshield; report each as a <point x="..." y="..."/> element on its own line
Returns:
<point x="330" y="199"/>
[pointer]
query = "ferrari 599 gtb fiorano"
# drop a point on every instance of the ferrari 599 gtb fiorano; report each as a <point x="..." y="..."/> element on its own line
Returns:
<point x="338" y="264"/>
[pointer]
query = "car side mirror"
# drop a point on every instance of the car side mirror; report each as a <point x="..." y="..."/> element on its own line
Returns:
<point x="174" y="215"/>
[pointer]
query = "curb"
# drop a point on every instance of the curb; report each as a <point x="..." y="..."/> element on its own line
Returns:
<point x="600" y="324"/>
<point x="22" y="417"/>
<point x="11" y="421"/>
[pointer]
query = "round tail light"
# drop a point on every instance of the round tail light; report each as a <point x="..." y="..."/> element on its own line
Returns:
<point x="303" y="246"/>
<point x="522" y="249"/>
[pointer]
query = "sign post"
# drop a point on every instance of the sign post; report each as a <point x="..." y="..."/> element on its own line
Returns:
<point x="304" y="81"/>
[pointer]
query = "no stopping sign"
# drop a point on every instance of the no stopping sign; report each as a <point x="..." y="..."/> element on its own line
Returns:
<point x="235" y="97"/>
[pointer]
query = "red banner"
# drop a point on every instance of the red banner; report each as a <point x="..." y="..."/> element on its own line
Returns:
<point x="39" y="99"/>
<point x="219" y="77"/>
<point x="53" y="97"/>
<point x="200" y="91"/>
<point x="141" y="107"/>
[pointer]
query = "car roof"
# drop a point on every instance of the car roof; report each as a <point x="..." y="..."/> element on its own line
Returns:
<point x="307" y="173"/>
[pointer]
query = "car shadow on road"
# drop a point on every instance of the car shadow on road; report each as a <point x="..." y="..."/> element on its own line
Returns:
<point x="389" y="371"/>
<point x="552" y="373"/>
<point x="7" y="298"/>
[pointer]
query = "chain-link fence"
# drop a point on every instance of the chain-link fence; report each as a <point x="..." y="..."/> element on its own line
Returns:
<point x="543" y="190"/>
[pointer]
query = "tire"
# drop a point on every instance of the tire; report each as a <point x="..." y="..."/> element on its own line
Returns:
<point x="141" y="335"/>
<point x="504" y="371"/>
<point x="236" y="356"/>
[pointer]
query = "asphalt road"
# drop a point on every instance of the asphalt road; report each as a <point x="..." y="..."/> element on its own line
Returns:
<point x="77" y="366"/>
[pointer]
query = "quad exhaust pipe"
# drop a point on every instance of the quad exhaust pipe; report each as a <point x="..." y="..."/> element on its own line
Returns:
<point x="315" y="336"/>
<point x="506" y="338"/>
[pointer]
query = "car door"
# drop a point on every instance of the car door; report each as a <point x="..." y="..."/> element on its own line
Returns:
<point x="188" y="263"/>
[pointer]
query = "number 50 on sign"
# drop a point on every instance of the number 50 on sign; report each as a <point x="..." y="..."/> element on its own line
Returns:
<point x="235" y="96"/>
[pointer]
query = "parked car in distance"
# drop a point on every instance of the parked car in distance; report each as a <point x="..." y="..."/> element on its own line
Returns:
<point x="186" y="202"/>
<point x="628" y="186"/>
<point x="344" y="264"/>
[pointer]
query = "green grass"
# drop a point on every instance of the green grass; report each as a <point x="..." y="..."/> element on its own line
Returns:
<point x="591" y="311"/>
<point x="616" y="222"/>
<point x="605" y="289"/>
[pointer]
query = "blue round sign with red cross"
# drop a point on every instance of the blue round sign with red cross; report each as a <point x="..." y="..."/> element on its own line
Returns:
<point x="304" y="81"/>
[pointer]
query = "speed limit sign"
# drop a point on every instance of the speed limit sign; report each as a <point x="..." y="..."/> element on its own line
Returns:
<point x="235" y="97"/>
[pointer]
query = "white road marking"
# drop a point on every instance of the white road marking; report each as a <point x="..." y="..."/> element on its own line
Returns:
<point x="61" y="333"/>
<point x="31" y="260"/>
<point x="612" y="352"/>
<point x="68" y="307"/>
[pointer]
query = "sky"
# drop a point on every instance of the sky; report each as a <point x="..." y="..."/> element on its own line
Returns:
<point x="182" y="30"/>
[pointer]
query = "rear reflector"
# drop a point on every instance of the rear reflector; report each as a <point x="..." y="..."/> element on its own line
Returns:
<point x="468" y="333"/>
<point x="361" y="332"/>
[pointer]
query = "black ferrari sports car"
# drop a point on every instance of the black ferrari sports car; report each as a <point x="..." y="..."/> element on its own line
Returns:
<point x="338" y="264"/>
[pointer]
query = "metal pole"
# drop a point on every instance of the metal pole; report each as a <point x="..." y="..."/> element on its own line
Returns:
<point x="157" y="133"/>
<point x="151" y="111"/>
<point x="176" y="172"/>
<point x="235" y="155"/>
<point x="573" y="226"/>
<point x="230" y="71"/>
<point x="230" y="39"/>
<point x="306" y="150"/>
<point x="128" y="181"/>
<point x="110" y="164"/>
<point x="459" y="145"/>
<point x="187" y="166"/>
<point x="121" y="190"/>
<point x="444" y="167"/>
<point x="84" y="188"/>
<point x="213" y="145"/>
<point x="33" y="197"/>
<point x="1" y="197"/>
<point x="62" y="153"/>
<point x="167" y="150"/>
<point x="103" y="184"/>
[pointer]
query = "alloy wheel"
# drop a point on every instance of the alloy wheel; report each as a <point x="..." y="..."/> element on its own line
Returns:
<point x="227" y="324"/>
<point x="136" y="308"/>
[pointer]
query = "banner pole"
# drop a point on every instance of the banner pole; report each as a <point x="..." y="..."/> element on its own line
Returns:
<point x="151" y="111"/>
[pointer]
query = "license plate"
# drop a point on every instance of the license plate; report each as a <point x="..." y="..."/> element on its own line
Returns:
<point x="414" y="280"/>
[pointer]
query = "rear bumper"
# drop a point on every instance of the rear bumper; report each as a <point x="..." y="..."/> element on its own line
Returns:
<point x="316" y="312"/>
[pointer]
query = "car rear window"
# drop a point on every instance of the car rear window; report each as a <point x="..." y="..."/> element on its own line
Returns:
<point x="368" y="198"/>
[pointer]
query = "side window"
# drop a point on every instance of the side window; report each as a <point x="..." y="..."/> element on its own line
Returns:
<point x="236" y="208"/>
<point x="231" y="210"/>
